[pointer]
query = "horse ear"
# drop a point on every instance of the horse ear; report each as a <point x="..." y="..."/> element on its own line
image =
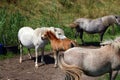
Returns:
<point x="116" y="16"/>
<point x="109" y="42"/>
<point x="55" y="29"/>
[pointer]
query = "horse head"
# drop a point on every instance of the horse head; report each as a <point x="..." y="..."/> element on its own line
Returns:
<point x="48" y="35"/>
<point x="58" y="32"/>
<point x="117" y="18"/>
<point x="45" y="35"/>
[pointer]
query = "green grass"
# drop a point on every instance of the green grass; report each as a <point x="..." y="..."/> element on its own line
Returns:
<point x="106" y="77"/>
<point x="7" y="56"/>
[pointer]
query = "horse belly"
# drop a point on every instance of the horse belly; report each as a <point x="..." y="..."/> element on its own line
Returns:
<point x="25" y="35"/>
<point x="96" y="68"/>
<point x="95" y="26"/>
<point x="26" y="40"/>
<point x="27" y="44"/>
<point x="95" y="73"/>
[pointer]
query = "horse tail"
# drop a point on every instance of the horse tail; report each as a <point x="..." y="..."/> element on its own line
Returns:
<point x="71" y="72"/>
<point x="73" y="25"/>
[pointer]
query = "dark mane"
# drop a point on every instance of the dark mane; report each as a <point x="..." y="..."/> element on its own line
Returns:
<point x="51" y="35"/>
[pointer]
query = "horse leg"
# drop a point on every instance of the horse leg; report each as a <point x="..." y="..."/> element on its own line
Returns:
<point x="56" y="58"/>
<point x="113" y="29"/>
<point x="36" y="53"/>
<point x="113" y="76"/>
<point x="21" y="51"/>
<point x="29" y="54"/>
<point x="81" y="36"/>
<point x="101" y="36"/>
<point x="42" y="55"/>
<point x="76" y="34"/>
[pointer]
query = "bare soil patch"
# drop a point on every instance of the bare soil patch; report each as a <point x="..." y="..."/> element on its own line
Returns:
<point x="11" y="69"/>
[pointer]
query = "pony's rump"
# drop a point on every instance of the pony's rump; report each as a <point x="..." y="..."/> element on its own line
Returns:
<point x="71" y="72"/>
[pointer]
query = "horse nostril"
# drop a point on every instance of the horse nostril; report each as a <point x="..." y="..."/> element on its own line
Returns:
<point x="59" y="33"/>
<point x="42" y="38"/>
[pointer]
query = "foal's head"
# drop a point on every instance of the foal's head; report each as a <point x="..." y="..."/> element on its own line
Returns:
<point x="49" y="35"/>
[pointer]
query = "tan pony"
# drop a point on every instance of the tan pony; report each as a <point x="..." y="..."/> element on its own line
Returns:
<point x="58" y="44"/>
<point x="92" y="62"/>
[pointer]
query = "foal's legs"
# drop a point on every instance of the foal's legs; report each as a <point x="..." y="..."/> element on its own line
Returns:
<point x="56" y="58"/>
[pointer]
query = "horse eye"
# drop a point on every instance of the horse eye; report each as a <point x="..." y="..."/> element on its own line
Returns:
<point x="59" y="33"/>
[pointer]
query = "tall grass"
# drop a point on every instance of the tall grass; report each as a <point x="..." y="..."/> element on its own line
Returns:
<point x="57" y="13"/>
<point x="10" y="23"/>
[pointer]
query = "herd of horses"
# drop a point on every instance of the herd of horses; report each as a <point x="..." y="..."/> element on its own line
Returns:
<point x="76" y="60"/>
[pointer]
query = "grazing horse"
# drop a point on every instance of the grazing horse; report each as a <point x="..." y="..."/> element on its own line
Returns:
<point x="31" y="38"/>
<point x="93" y="26"/>
<point x="92" y="62"/>
<point x="58" y="44"/>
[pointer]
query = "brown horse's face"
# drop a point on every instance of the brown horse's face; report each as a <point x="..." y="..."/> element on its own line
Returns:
<point x="44" y="36"/>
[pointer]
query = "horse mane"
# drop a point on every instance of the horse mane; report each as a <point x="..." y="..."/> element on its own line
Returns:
<point x="107" y="42"/>
<point x="113" y="43"/>
<point x="51" y="35"/>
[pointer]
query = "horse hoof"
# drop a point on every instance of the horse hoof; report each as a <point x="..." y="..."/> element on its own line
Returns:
<point x="55" y="66"/>
<point x="31" y="58"/>
<point x="20" y="61"/>
<point x="36" y="66"/>
<point x="43" y="62"/>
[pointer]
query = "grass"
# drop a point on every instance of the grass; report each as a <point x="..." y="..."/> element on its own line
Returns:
<point x="106" y="77"/>
<point x="7" y="56"/>
<point x="57" y="13"/>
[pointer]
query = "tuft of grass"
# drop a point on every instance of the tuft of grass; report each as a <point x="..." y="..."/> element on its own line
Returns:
<point x="7" y="56"/>
<point x="106" y="77"/>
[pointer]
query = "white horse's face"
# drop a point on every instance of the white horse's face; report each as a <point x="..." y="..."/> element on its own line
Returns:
<point x="60" y="35"/>
<point x="58" y="32"/>
<point x="117" y="19"/>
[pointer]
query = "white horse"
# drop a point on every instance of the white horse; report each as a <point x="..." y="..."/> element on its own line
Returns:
<point x="93" y="26"/>
<point x="92" y="62"/>
<point x="32" y="39"/>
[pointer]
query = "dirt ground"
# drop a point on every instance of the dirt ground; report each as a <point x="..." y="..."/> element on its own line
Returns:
<point x="11" y="69"/>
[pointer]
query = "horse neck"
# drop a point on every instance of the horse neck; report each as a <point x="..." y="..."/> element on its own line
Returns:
<point x="112" y="48"/>
<point x="107" y="48"/>
<point x="108" y="20"/>
<point x="52" y="37"/>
